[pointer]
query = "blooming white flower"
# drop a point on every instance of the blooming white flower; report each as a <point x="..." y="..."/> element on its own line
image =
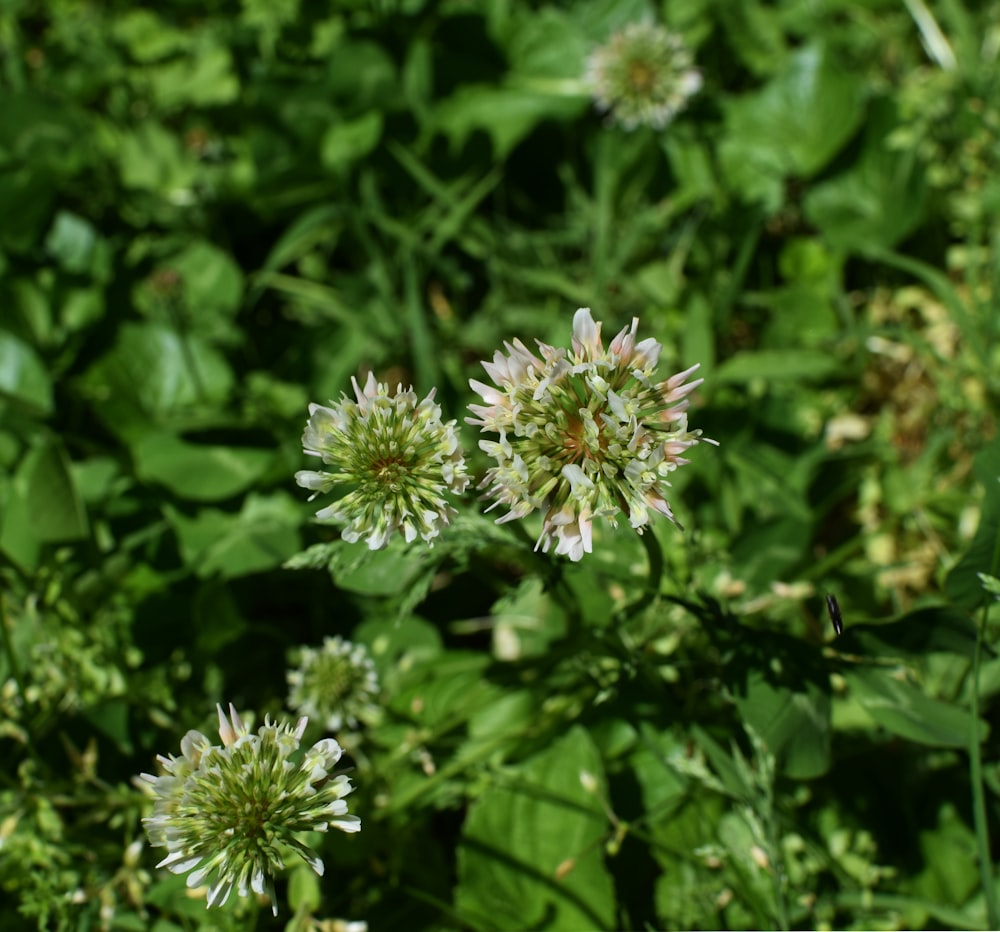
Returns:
<point x="334" y="684"/>
<point x="642" y="75"/>
<point x="229" y="814"/>
<point x="397" y="457"/>
<point x="583" y="434"/>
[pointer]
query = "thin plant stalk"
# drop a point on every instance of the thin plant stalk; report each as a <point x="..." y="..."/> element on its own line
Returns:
<point x="976" y="778"/>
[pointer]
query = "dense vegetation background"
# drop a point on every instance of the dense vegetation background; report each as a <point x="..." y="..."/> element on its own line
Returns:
<point x="213" y="213"/>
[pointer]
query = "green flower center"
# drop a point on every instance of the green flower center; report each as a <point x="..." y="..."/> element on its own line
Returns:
<point x="641" y="76"/>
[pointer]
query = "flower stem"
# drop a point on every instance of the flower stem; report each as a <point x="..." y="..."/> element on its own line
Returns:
<point x="976" y="778"/>
<point x="654" y="556"/>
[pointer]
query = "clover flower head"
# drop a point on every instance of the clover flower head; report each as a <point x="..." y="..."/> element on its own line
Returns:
<point x="643" y="75"/>
<point x="230" y="813"/>
<point x="583" y="433"/>
<point x="396" y="455"/>
<point x="334" y="684"/>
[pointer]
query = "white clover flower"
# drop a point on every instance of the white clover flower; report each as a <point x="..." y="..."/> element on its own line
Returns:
<point x="334" y="684"/>
<point x="228" y="815"/>
<point x="583" y="434"/>
<point x="643" y="75"/>
<point x="397" y="457"/>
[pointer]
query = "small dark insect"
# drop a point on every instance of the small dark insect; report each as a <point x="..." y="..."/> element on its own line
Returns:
<point x="833" y="610"/>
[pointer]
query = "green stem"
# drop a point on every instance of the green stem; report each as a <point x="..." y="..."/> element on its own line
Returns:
<point x="978" y="796"/>
<point x="654" y="556"/>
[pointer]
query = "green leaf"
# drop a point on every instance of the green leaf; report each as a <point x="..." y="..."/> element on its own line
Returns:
<point x="530" y="854"/>
<point x="211" y="278"/>
<point x="791" y="364"/>
<point x="44" y="504"/>
<point x="199" y="472"/>
<point x="146" y="36"/>
<point x="548" y="43"/>
<point x="261" y="537"/>
<point x="72" y="242"/>
<point x="794" y="125"/>
<point x="345" y="143"/>
<point x="387" y="572"/>
<point x="23" y="376"/>
<point x="506" y="114"/>
<point x="153" y="374"/>
<point x="794" y="723"/>
<point x="876" y="202"/>
<point x="151" y="158"/>
<point x="904" y="709"/>
<point x="204" y="79"/>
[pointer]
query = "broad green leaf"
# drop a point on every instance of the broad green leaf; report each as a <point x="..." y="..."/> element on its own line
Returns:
<point x="791" y="364"/>
<point x="361" y="75"/>
<point x="205" y="78"/>
<point x="530" y="853"/>
<point x="199" y="472"/>
<point x="44" y="505"/>
<point x="904" y="709"/>
<point x="795" y="724"/>
<point x="72" y="242"/>
<point x="525" y="621"/>
<point x="388" y="639"/>
<point x="879" y="199"/>
<point x="260" y="537"/>
<point x="547" y="44"/>
<point x="151" y="158"/>
<point x="152" y="374"/>
<point x="506" y="114"/>
<point x="23" y="376"/>
<point x="387" y="572"/>
<point x="950" y="874"/>
<point x="346" y="142"/>
<point x="147" y="36"/>
<point x="794" y="125"/>
<point x="212" y="280"/>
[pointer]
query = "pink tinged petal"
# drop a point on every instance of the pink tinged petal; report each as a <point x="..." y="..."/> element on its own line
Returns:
<point x="586" y="334"/>
<point x="647" y="354"/>
<point x="487" y="392"/>
<point x="660" y="504"/>
<point x="498" y="369"/>
<point x="365" y="395"/>
<point x="676" y="380"/>
<point x="230" y="732"/>
<point x="623" y="344"/>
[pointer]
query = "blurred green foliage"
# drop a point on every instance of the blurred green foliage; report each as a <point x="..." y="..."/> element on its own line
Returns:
<point x="215" y="213"/>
